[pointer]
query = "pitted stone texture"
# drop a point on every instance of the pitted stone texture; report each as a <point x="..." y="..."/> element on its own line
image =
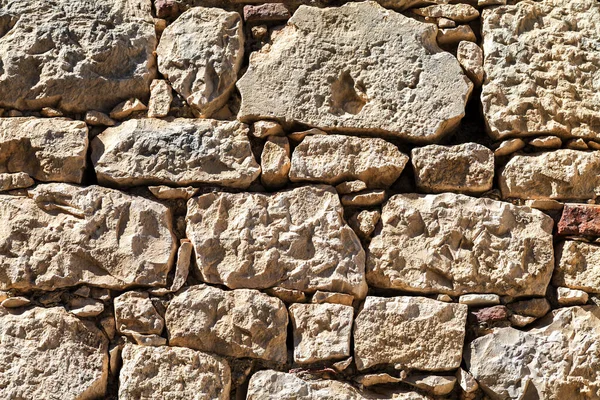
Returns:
<point x="181" y="152"/>
<point x="135" y="313"/>
<point x="414" y="332"/>
<point x="340" y="69"/>
<point x="534" y="88"/>
<point x="464" y="168"/>
<point x="47" y="353"/>
<point x="200" y="54"/>
<point x="333" y="159"/>
<point x="580" y="219"/>
<point x="67" y="235"/>
<point x="295" y="239"/>
<point x="559" y="175"/>
<point x="46" y="149"/>
<point x="275" y="162"/>
<point x="238" y="323"/>
<point x="456" y="12"/>
<point x="18" y="180"/>
<point x="172" y="373"/>
<point x="559" y="359"/>
<point x="578" y="266"/>
<point x="470" y="57"/>
<point x="455" y="244"/>
<point x="75" y="55"/>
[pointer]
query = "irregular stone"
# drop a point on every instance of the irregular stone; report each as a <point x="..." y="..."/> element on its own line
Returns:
<point x="546" y="142"/>
<point x="321" y="297"/>
<point x="446" y="23"/>
<point x="490" y="315"/>
<point x="160" y="99"/>
<point x="180" y="152"/>
<point x="238" y="323"/>
<point x="172" y="373"/>
<point x="578" y="266"/>
<point x="273" y="12"/>
<point x="470" y="57"/>
<point x="364" y="223"/>
<point x="85" y="308"/>
<point x="579" y="219"/>
<point x="479" y="300"/>
<point x="67" y="235"/>
<point x="455" y="244"/>
<point x="259" y="32"/>
<point x="321" y="331"/>
<point x="456" y="12"/>
<point x="51" y="112"/>
<point x="148" y="340"/>
<point x="15" y="302"/>
<point x="576" y="144"/>
<point x="570" y="297"/>
<point x="434" y="384"/>
<point x="295" y="239"/>
<point x="368" y="198"/>
<point x="593" y="145"/>
<point x="531" y="88"/>
<point x="520" y="321"/>
<point x="75" y="56"/>
<point x="531" y="308"/>
<point x="343" y="365"/>
<point x="46" y="353"/>
<point x="170" y="193"/>
<point x="545" y="205"/>
<point x="182" y="268"/>
<point x="556" y="360"/>
<point x="415" y="332"/>
<point x="376" y="379"/>
<point x="46" y="149"/>
<point x="127" y="108"/>
<point x="275" y="162"/>
<point x="453" y="36"/>
<point x="487" y="3"/>
<point x="299" y="136"/>
<point x="509" y="146"/>
<point x="134" y="312"/>
<point x="559" y="175"/>
<point x="166" y="8"/>
<point x="466" y="381"/>
<point x="350" y="187"/>
<point x="262" y="129"/>
<point x="97" y="118"/>
<point x="354" y="76"/>
<point x="465" y="168"/>
<point x="18" y="180"/>
<point x="444" y="298"/>
<point x="333" y="159"/>
<point x="200" y="54"/>
<point x="287" y="295"/>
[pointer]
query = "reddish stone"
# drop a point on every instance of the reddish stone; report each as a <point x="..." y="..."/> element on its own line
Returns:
<point x="166" y="8"/>
<point x="490" y="315"/>
<point x="580" y="219"/>
<point x="272" y="12"/>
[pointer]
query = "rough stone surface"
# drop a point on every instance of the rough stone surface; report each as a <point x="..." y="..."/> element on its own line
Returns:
<point x="275" y="162"/>
<point x="457" y="12"/>
<point x="238" y="323"/>
<point x="453" y="36"/>
<point x="434" y="384"/>
<point x="364" y="222"/>
<point x="274" y="12"/>
<point x="415" y="332"/>
<point x="127" y="108"/>
<point x="160" y="99"/>
<point x="181" y="152"/>
<point x="479" y="300"/>
<point x="351" y="187"/>
<point x="509" y="146"/>
<point x="97" y="118"/>
<point x="353" y="75"/>
<point x="368" y="198"/>
<point x="579" y="219"/>
<point x="66" y="235"/>
<point x="570" y="297"/>
<point x="321" y="297"/>
<point x="295" y="239"/>
<point x="134" y="312"/>
<point x="532" y="308"/>
<point x="470" y="57"/>
<point x="18" y="180"/>
<point x="546" y="142"/>
<point x="578" y="266"/>
<point x="455" y="244"/>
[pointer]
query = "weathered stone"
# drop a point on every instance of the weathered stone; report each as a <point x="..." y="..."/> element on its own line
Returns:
<point x="67" y="235"/>
<point x="274" y="12"/>
<point x="546" y="142"/>
<point x="180" y="152"/>
<point x="455" y="244"/>
<point x="238" y="323"/>
<point x="160" y="99"/>
<point x="509" y="146"/>
<point x="464" y="168"/>
<point x="18" y="180"/>
<point x="259" y="32"/>
<point x="444" y="297"/>
<point x="489" y="315"/>
<point x="156" y="373"/>
<point x="134" y="312"/>
<point x="15" y="302"/>
<point x="479" y="300"/>
<point x="75" y="56"/>
<point x="46" y="353"/>
<point x="85" y="308"/>
<point x="570" y="297"/>
<point x="470" y="57"/>
<point x="200" y="54"/>
<point x="352" y="75"/>
<point x="446" y="23"/>
<point x="127" y="108"/>
<point x="51" y="112"/>
<point x="368" y="198"/>
<point x="580" y="219"/>
<point x="520" y="321"/>
<point x="578" y="266"/>
<point x="466" y="381"/>
<point x="434" y="384"/>
<point x="545" y="205"/>
<point x="321" y="297"/>
<point x="262" y="129"/>
<point x="170" y="193"/>
<point x="295" y="239"/>
<point x="333" y="159"/>
<point x="321" y="331"/>
<point x="286" y="295"/>
<point x="364" y="222"/>
<point x="576" y="144"/>
<point x="453" y="36"/>
<point x="487" y="3"/>
<point x="148" y="340"/>
<point x="182" y="267"/>
<point x="350" y="187"/>
<point x="560" y="175"/>
<point x="593" y="145"/>
<point x="376" y="379"/>
<point x="531" y="308"/>
<point x="46" y="149"/>
<point x="535" y="89"/>
<point x="456" y="12"/>
<point x="299" y="136"/>
<point x="275" y="162"/>
<point x="415" y="332"/>
<point x="97" y="118"/>
<point x="558" y="359"/>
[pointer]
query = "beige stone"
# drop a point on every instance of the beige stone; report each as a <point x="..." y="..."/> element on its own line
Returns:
<point x="15" y="302"/>
<point x="545" y="205"/>
<point x="576" y="144"/>
<point x="531" y="308"/>
<point x="578" y="266"/>
<point x="148" y="340"/>
<point x="182" y="267"/>
<point x="546" y="142"/>
<point x="127" y="108"/>
<point x="508" y="147"/>
<point x="453" y="36"/>
<point x="262" y="129"/>
<point x="171" y="193"/>
<point x="238" y="323"/>
<point x="571" y="297"/>
<point x="364" y="222"/>
<point x="470" y="57"/>
<point x="445" y="23"/>
<point x="350" y="187"/>
<point x="321" y="297"/>
<point x="368" y="198"/>
<point x="299" y="136"/>
<point x="160" y="99"/>
<point x="376" y="379"/>
<point x="520" y="321"/>
<point x="275" y="162"/>
<point x="479" y="300"/>
<point x="134" y="312"/>
<point x="414" y="332"/>
<point x="354" y="76"/>
<point x="97" y="118"/>
<point x="466" y="381"/>
<point x="18" y="180"/>
<point x="439" y="385"/>
<point x="287" y="295"/>
<point x="85" y="308"/>
<point x="457" y="12"/>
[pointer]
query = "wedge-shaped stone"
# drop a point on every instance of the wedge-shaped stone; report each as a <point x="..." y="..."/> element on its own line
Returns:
<point x="47" y="353"/>
<point x="238" y="323"/>
<point x="67" y="235"/>
<point x="157" y="373"/>
<point x="533" y="88"/>
<point x="75" y="55"/>
<point x="295" y="239"/>
<point x="333" y="159"/>
<point x="559" y="359"/>
<point x="559" y="175"/>
<point x="455" y="244"/>
<point x="181" y="152"/>
<point x="578" y="266"/>
<point x="414" y="332"/>
<point x="372" y="71"/>
<point x="47" y="149"/>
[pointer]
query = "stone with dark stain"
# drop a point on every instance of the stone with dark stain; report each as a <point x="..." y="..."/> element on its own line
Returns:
<point x="580" y="219"/>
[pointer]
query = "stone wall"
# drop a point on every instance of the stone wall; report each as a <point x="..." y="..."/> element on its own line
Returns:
<point x="315" y="199"/>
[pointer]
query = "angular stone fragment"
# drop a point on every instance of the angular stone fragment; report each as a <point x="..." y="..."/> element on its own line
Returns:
<point x="455" y="244"/>
<point x="180" y="152"/>
<point x="368" y="198"/>
<point x="570" y="297"/>
<point x="532" y="308"/>
<point x="464" y="168"/>
<point x="580" y="219"/>
<point x="350" y="187"/>
<point x="97" y="118"/>
<point x="353" y="75"/>
<point x="364" y="222"/>
<point x="508" y="146"/>
<point x="85" y="308"/>
<point x="157" y="373"/>
<point x="170" y="193"/>
<point x="532" y="88"/>
<point x="46" y="149"/>
<point x="160" y="99"/>
<point x="321" y="297"/>
<point x="18" y="180"/>
<point x="200" y="54"/>
<point x="435" y="384"/>
<point x="576" y="144"/>
<point x="457" y="12"/>
<point x="453" y="36"/>
<point x="238" y="323"/>
<point x="479" y="300"/>
<point x="546" y="142"/>
<point x="67" y="235"/>
<point x="275" y="162"/>
<point x="46" y="353"/>
<point x="182" y="268"/>
<point x="578" y="266"/>
<point x="560" y="175"/>
<point x="127" y="108"/>
<point x="75" y="55"/>
<point x="470" y="57"/>
<point x="274" y="12"/>
<point x="15" y="302"/>
<point x="295" y="239"/>
<point x="333" y="159"/>
<point x="415" y="332"/>
<point x="262" y="129"/>
<point x="134" y="312"/>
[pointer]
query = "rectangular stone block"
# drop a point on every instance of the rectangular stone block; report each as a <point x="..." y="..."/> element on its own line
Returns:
<point x="578" y="266"/>
<point x="580" y="219"/>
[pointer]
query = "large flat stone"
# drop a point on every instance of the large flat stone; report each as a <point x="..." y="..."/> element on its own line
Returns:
<point x="295" y="239"/>
<point x="180" y="152"/>
<point x="455" y="244"/>
<point x="65" y="235"/>
<point x="356" y="68"/>
<point x="578" y="266"/>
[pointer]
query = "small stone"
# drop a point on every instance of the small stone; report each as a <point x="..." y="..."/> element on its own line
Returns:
<point x="108" y="326"/>
<point x="536" y="308"/>
<point x="460" y="13"/>
<point x="166" y="8"/>
<point x="578" y="266"/>
<point x="275" y="162"/>
<point x="341" y="366"/>
<point x="466" y="381"/>
<point x="126" y="108"/>
<point x="299" y="136"/>
<point x="470" y="57"/>
<point x="182" y="267"/>
<point x="479" y="300"/>
<point x="287" y="295"/>
<point x="351" y="187"/>
<point x="577" y="144"/>
<point x="453" y="36"/>
<point x="97" y="118"/>
<point x="490" y="315"/>
<point x="444" y="298"/>
<point x="148" y="340"/>
<point x="487" y="3"/>
<point x="170" y="193"/>
<point x="18" y="180"/>
<point x="376" y="379"/>
<point x="546" y="142"/>
<point x="368" y="198"/>
<point x="160" y="99"/>
<point x="593" y="145"/>
<point x="4" y="295"/>
<point x="509" y="146"/>
<point x="364" y="223"/>
<point x="434" y="384"/>
<point x="15" y="302"/>
<point x="545" y="205"/>
<point x="51" y="112"/>
<point x="135" y="313"/>
<point x="571" y="297"/>
<point x="85" y="308"/>
<point x="263" y="129"/>
<point x="321" y="297"/>
<point x="520" y="321"/>
<point x="579" y="219"/>
<point x="271" y="12"/>
<point x="99" y="293"/>
<point x="82" y="291"/>
<point x="446" y="23"/>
